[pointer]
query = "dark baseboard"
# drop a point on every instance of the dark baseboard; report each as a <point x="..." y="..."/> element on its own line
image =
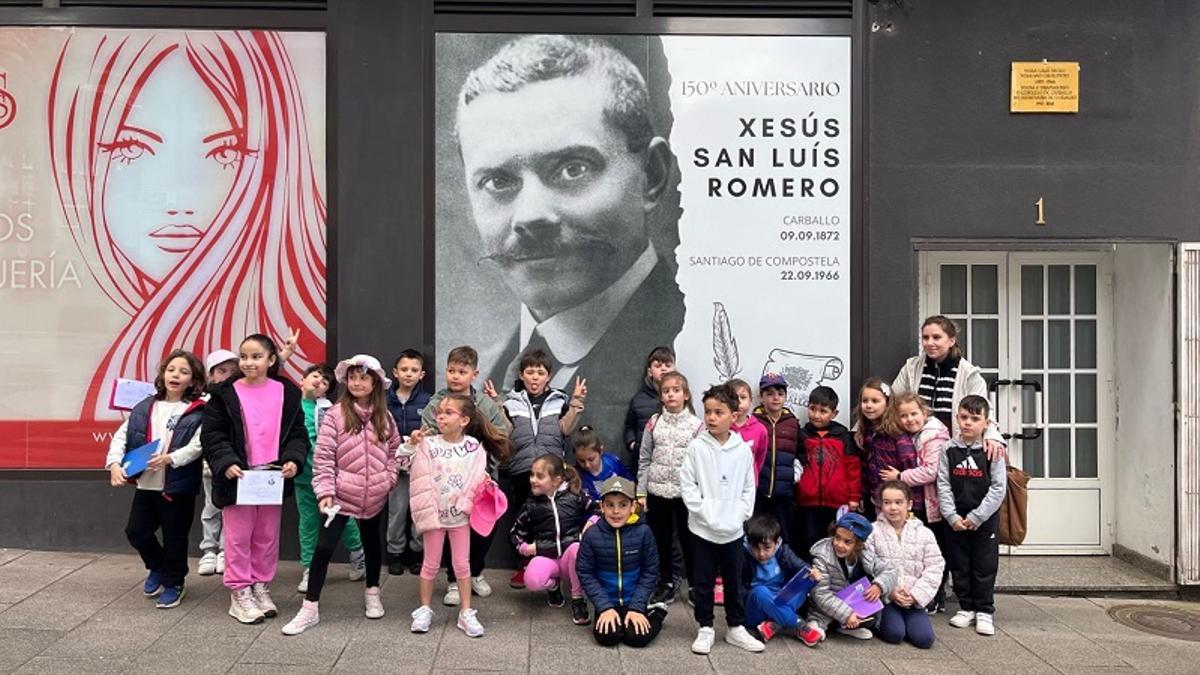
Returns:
<point x="1150" y="566"/>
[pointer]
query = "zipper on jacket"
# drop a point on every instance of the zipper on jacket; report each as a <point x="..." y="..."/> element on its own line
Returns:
<point x="771" y="488"/>
<point x="620" y="572"/>
<point x="557" y="525"/>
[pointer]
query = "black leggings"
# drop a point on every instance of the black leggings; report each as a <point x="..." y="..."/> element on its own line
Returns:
<point x="151" y="511"/>
<point x="327" y="542"/>
<point x="620" y="634"/>
<point x="938" y="527"/>
<point x="667" y="519"/>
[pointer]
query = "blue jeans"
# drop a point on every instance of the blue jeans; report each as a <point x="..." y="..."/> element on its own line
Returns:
<point x="761" y="606"/>
<point x="897" y="623"/>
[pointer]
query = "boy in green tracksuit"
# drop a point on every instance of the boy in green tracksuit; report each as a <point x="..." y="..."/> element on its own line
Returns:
<point x="316" y="383"/>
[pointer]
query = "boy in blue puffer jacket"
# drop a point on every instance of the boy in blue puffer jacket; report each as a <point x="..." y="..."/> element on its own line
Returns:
<point x="618" y="569"/>
<point x="405" y="400"/>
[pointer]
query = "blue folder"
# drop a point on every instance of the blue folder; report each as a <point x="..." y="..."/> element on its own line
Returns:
<point x="795" y="591"/>
<point x="134" y="462"/>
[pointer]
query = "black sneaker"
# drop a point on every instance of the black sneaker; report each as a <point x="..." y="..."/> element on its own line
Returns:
<point x="395" y="566"/>
<point x="663" y="594"/>
<point x="579" y="612"/>
<point x="414" y="569"/>
<point x="936" y="607"/>
<point x="554" y="597"/>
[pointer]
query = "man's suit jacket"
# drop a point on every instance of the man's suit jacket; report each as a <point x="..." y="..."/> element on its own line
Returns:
<point x="615" y="367"/>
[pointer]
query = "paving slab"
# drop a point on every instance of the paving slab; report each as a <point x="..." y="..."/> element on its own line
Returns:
<point x="18" y="645"/>
<point x="8" y="555"/>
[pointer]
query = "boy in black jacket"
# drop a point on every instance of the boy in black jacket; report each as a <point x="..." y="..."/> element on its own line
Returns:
<point x="618" y="568"/>
<point x="767" y="566"/>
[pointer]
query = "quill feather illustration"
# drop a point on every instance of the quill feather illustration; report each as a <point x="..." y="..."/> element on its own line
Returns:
<point x="725" y="349"/>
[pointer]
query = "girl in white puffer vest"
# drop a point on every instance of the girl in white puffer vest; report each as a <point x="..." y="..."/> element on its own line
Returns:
<point x="906" y="544"/>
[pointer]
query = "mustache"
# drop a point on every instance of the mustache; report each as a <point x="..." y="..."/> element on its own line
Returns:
<point x="526" y="249"/>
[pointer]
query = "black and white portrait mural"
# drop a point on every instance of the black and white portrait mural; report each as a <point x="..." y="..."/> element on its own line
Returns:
<point x="598" y="196"/>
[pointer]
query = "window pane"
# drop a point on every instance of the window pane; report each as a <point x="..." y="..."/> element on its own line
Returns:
<point x="984" y="292"/>
<point x="1031" y="289"/>
<point x="1058" y="399"/>
<point x="1085" y="289"/>
<point x="1085" y="398"/>
<point x="954" y="289"/>
<point x="985" y="343"/>
<point x="960" y="326"/>
<point x="1058" y="340"/>
<point x="1058" y="289"/>
<point x="1029" y="398"/>
<point x="1060" y="453"/>
<point x="1085" y="343"/>
<point x="1032" y="460"/>
<point x="1085" y="453"/>
<point x="1031" y="343"/>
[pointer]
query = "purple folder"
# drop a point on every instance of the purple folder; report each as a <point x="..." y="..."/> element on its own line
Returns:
<point x="852" y="595"/>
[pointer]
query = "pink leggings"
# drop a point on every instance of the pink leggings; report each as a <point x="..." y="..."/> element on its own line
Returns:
<point x="460" y="551"/>
<point x="251" y="544"/>
<point x="544" y="573"/>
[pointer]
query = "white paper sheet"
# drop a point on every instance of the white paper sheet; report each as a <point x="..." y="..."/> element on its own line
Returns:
<point x="260" y="487"/>
<point x="128" y="393"/>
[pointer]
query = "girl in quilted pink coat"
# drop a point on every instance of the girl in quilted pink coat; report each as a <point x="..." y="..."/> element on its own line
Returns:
<point x="929" y="436"/>
<point x="354" y="469"/>
<point x="448" y="469"/>
<point x="907" y="545"/>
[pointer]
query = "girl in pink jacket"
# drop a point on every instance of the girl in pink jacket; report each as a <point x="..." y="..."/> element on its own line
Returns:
<point x="448" y="469"/>
<point x="907" y="545"/>
<point x="354" y="469"/>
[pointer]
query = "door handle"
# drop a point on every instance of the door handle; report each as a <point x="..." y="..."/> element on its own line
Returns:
<point x="993" y="394"/>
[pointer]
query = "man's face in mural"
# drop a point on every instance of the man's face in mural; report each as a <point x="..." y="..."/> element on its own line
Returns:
<point x="558" y="198"/>
<point x="172" y="164"/>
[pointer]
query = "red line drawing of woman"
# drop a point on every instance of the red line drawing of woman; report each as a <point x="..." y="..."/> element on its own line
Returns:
<point x="182" y="163"/>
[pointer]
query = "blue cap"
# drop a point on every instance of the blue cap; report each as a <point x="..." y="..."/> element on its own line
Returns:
<point x="859" y="526"/>
<point x="772" y="379"/>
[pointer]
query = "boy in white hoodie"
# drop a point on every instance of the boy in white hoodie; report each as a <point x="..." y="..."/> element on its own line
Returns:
<point x="717" y="487"/>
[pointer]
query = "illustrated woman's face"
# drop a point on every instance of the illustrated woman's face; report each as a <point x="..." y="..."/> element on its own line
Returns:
<point x="171" y="165"/>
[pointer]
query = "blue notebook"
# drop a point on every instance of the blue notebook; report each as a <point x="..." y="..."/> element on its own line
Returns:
<point x="795" y="591"/>
<point x="134" y="462"/>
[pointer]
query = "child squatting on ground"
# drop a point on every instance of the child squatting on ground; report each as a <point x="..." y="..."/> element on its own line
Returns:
<point x="843" y="559"/>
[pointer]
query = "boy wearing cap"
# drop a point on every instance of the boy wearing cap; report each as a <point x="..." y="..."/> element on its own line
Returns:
<point x="781" y="468"/>
<point x="617" y="566"/>
<point x="221" y="365"/>
<point x="841" y="559"/>
<point x="316" y="383"/>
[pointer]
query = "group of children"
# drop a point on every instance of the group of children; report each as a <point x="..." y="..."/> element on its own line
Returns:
<point x="746" y="498"/>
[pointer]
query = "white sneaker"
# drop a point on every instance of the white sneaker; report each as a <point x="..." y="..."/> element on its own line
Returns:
<point x="262" y="599"/>
<point x="480" y="587"/>
<point x="984" y="624"/>
<point x="962" y="618"/>
<point x="859" y="633"/>
<point x="358" y="565"/>
<point x="468" y="621"/>
<point x="741" y="638"/>
<point x="208" y="564"/>
<point x="704" y="640"/>
<point x="422" y="617"/>
<point x="242" y="607"/>
<point x="374" y="606"/>
<point x="302" y="587"/>
<point x="451" y="598"/>
<point x="221" y="562"/>
<point x="306" y="618"/>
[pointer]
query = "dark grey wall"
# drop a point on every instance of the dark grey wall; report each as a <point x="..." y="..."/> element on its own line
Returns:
<point x="947" y="160"/>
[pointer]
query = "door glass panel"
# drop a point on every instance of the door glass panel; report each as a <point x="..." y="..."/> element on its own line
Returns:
<point x="1085" y="343"/>
<point x="985" y="343"/>
<point x="1058" y="289"/>
<point x="1031" y="289"/>
<point x="1029" y="399"/>
<point x="954" y="289"/>
<point x="1086" y="453"/>
<point x="1085" y="289"/>
<point x="1032" y="460"/>
<point x="985" y="297"/>
<point x="1058" y="341"/>
<point x="1060" y="453"/>
<point x="1085" y="398"/>
<point x="1058" y="399"/>
<point x="1031" y="343"/>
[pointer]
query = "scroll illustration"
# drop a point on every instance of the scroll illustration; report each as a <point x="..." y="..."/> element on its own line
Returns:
<point x="803" y="372"/>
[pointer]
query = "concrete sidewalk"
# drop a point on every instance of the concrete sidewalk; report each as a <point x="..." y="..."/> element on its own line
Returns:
<point x="81" y="613"/>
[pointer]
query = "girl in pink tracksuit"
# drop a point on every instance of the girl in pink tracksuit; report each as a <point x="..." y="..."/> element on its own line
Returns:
<point x="354" y="469"/>
<point x="448" y="469"/>
<point x="905" y="544"/>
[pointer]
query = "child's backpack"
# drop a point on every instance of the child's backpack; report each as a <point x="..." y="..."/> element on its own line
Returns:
<point x="1014" y="511"/>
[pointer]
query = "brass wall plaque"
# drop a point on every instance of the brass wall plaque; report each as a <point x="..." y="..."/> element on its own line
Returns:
<point x="1045" y="87"/>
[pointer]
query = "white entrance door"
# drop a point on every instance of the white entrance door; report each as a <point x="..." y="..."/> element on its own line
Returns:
<point x="1038" y="325"/>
